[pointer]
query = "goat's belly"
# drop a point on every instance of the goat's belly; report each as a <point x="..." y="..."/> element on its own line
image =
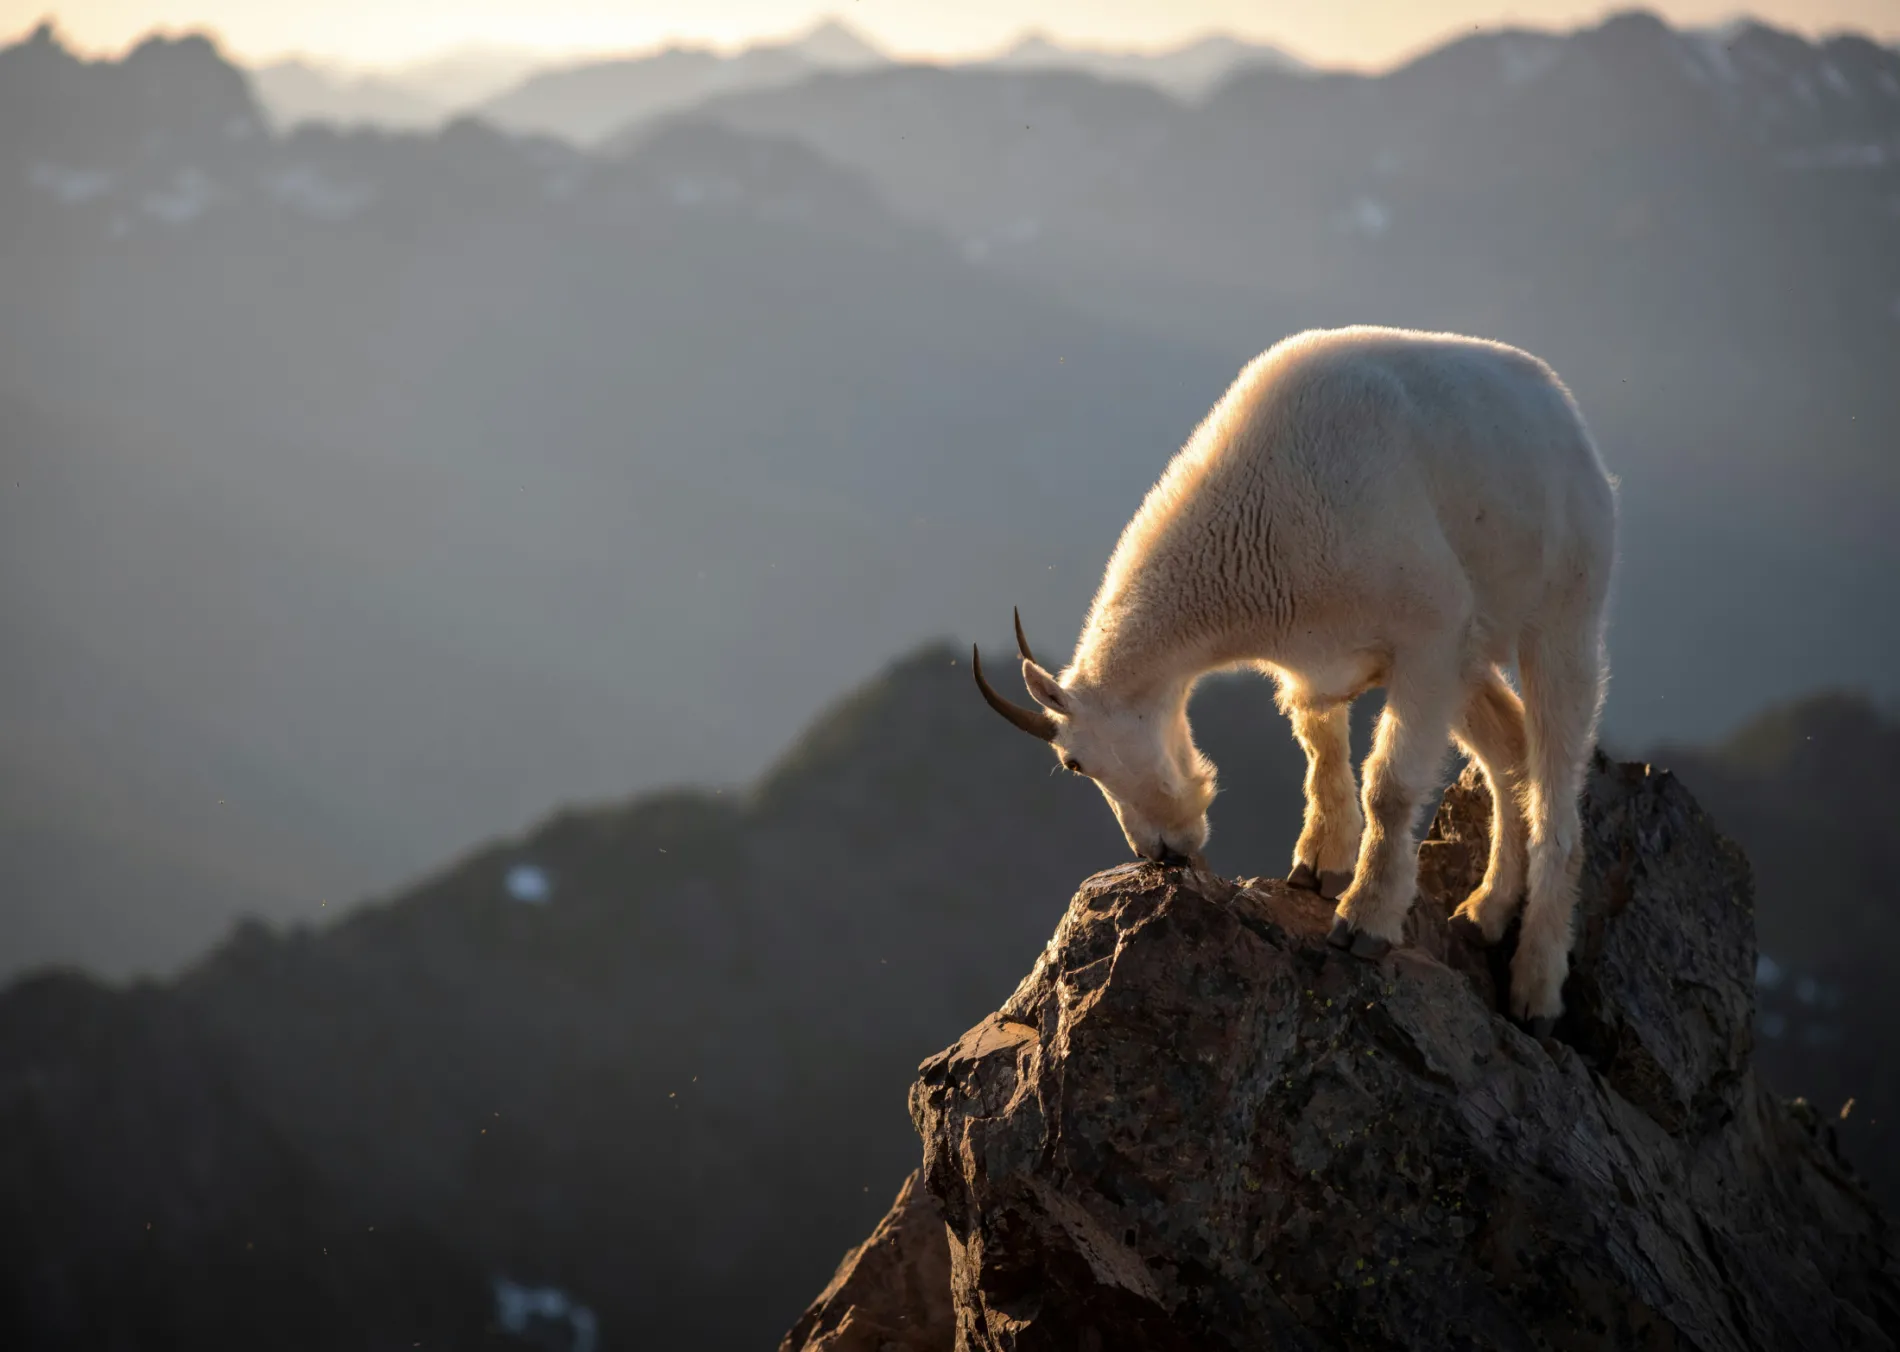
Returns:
<point x="1325" y="676"/>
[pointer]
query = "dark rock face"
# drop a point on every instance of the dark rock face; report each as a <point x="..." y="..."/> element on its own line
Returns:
<point x="1661" y="993"/>
<point x="149" y="1205"/>
<point x="1196" y="1126"/>
<point x="892" y="1292"/>
<point x="1809" y="788"/>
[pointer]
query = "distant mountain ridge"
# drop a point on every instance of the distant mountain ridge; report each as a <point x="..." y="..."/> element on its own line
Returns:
<point x="952" y="145"/>
<point x="1189" y="71"/>
<point x="452" y="474"/>
<point x="489" y="451"/>
<point x="1682" y="224"/>
<point x="414" y="96"/>
<point x="294" y="92"/>
<point x="584" y="100"/>
<point x="57" y="105"/>
<point x="588" y="101"/>
<point x="670" y="1035"/>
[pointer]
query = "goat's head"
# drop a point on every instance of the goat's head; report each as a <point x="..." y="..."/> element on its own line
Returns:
<point x="1140" y="755"/>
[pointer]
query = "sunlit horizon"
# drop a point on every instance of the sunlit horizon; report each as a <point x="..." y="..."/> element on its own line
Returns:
<point x="366" y="38"/>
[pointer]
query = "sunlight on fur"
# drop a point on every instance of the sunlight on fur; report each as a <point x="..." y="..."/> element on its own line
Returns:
<point x="1366" y="507"/>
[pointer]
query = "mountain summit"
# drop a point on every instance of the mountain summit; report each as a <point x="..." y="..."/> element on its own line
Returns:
<point x="1195" y="1126"/>
<point x="587" y="101"/>
<point x="1190" y="71"/>
<point x="62" y="107"/>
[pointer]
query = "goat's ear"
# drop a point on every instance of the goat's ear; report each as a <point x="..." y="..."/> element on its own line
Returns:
<point x="1044" y="688"/>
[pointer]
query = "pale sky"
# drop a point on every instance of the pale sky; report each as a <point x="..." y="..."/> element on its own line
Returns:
<point x="1333" y="32"/>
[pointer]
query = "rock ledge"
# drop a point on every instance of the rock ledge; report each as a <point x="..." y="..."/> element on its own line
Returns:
<point x="1194" y="1125"/>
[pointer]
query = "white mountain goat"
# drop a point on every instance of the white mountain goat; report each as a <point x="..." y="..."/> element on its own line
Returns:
<point x="1365" y="507"/>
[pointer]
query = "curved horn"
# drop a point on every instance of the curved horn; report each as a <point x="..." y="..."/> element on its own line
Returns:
<point x="1022" y="644"/>
<point x="1035" y="722"/>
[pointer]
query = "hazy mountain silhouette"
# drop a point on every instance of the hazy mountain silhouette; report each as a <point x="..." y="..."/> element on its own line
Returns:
<point x="137" y="817"/>
<point x="585" y="101"/>
<point x="1189" y="71"/>
<point x="151" y="1204"/>
<point x="654" y="1053"/>
<point x="294" y="91"/>
<point x="462" y="77"/>
<point x="537" y="474"/>
<point x="391" y="487"/>
<point x="1700" y="232"/>
<point x="687" y="1062"/>
<point x="409" y="96"/>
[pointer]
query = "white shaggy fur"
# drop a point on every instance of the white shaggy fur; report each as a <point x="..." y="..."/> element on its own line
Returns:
<point x="1368" y="507"/>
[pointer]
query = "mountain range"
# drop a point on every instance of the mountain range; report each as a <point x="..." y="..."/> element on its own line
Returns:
<point x="1702" y="236"/>
<point x="589" y="100"/>
<point x="643" y="1066"/>
<point x="585" y="99"/>
<point x="414" y="96"/>
<point x="294" y="91"/>
<point x="1188" y="72"/>
<point x="375" y="491"/>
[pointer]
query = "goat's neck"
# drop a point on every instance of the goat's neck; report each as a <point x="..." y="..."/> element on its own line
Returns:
<point x="1136" y="661"/>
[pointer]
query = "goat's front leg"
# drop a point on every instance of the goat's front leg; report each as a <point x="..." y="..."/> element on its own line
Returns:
<point x="1408" y="754"/>
<point x="1329" y="842"/>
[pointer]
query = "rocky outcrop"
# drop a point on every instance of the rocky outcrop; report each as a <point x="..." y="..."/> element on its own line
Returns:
<point x="1196" y="1126"/>
<point x="892" y="1292"/>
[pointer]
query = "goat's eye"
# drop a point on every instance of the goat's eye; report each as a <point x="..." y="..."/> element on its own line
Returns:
<point x="1072" y="765"/>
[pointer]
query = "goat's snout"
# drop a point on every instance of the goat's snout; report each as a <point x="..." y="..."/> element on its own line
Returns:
<point x="1169" y="857"/>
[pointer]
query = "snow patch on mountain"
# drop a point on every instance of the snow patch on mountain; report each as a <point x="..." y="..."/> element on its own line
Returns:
<point x="304" y="188"/>
<point x="1367" y="217"/>
<point x="183" y="200"/>
<point x="72" y="187"/>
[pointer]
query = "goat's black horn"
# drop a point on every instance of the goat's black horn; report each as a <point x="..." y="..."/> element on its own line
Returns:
<point x="1036" y="722"/>
<point x="1022" y="644"/>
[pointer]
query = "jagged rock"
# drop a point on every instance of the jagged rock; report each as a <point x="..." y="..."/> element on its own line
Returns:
<point x="892" y="1292"/>
<point x="1196" y="1126"/>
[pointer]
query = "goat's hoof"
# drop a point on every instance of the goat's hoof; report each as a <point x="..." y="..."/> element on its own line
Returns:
<point x="1303" y="878"/>
<point x="1332" y="882"/>
<point x="1542" y="1028"/>
<point x="1370" y="947"/>
<point x="1356" y="942"/>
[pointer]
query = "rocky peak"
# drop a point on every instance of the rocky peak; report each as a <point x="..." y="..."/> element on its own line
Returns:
<point x="1193" y="1125"/>
<point x="834" y="43"/>
<point x="96" y="113"/>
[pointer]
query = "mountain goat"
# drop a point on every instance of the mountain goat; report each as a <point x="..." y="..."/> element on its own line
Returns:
<point x="1365" y="507"/>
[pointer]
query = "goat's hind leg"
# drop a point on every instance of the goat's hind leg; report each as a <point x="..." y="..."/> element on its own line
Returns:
<point x="1563" y="689"/>
<point x="1408" y="754"/>
<point x="1491" y="731"/>
<point x="1329" y="841"/>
